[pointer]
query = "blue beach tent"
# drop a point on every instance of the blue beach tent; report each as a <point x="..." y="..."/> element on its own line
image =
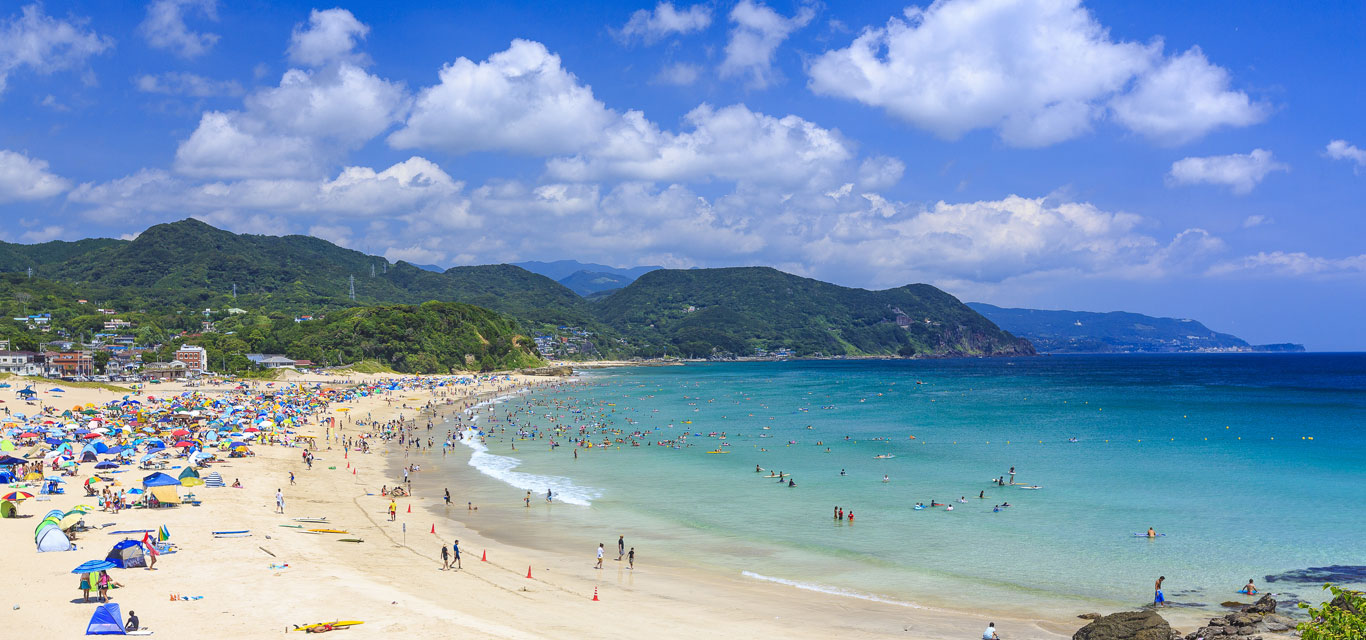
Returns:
<point x="106" y="621"/>
<point x="159" y="480"/>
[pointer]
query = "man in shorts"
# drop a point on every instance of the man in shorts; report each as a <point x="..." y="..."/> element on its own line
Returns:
<point x="1158" y="600"/>
<point x="445" y="558"/>
<point x="455" y="547"/>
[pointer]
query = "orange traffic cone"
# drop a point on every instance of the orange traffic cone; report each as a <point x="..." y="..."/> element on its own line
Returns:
<point x="353" y="471"/>
<point x="410" y="510"/>
<point x="595" y="594"/>
<point x="528" y="571"/>
<point x="433" y="528"/>
<point x="485" y="557"/>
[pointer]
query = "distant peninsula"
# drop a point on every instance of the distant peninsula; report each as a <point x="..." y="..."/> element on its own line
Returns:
<point x="1117" y="332"/>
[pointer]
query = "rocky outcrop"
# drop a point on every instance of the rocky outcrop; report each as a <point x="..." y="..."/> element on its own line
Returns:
<point x="1126" y="625"/>
<point x="1246" y="624"/>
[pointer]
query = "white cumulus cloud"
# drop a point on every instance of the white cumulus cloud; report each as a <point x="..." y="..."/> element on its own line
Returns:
<point x="731" y="143"/>
<point x="650" y="26"/>
<point x="1184" y="98"/>
<point x="25" y="178"/>
<point x="1239" y="171"/>
<point x="754" y="40"/>
<point x="41" y="43"/>
<point x="165" y="28"/>
<point x="329" y="36"/>
<point x="519" y="100"/>
<point x="294" y="129"/>
<point x="1342" y="150"/>
<point x="1036" y="71"/>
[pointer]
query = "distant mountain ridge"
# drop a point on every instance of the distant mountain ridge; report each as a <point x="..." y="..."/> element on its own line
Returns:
<point x="558" y="270"/>
<point x="743" y="311"/>
<point x="179" y="269"/>
<point x="1115" y="332"/>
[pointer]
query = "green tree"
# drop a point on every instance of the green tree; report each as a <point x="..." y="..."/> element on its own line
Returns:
<point x="101" y="359"/>
<point x="1342" y="618"/>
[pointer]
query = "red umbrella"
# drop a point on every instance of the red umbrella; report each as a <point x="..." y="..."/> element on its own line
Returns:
<point x="28" y="434"/>
<point x="250" y="430"/>
<point x="180" y="432"/>
<point x="88" y="436"/>
<point x="184" y="443"/>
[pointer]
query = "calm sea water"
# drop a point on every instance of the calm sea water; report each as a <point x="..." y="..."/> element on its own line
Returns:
<point x="1249" y="464"/>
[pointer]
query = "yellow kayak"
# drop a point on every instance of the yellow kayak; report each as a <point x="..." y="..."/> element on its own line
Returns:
<point x="321" y="627"/>
<point x="328" y="531"/>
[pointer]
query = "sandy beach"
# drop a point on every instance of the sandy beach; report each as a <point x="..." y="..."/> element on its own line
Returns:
<point x="393" y="581"/>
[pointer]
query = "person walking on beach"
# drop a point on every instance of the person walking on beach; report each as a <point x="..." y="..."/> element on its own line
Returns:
<point x="599" y="565"/>
<point x="621" y="547"/>
<point x="393" y="510"/>
<point x="279" y="501"/>
<point x="631" y="558"/>
<point x="527" y="499"/>
<point x="448" y="497"/>
<point x="291" y="478"/>
<point x="445" y="558"/>
<point x="455" y="547"/>
<point x="1158" y="600"/>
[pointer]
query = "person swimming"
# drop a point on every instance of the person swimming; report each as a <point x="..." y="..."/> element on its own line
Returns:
<point x="1151" y="533"/>
<point x="1249" y="589"/>
<point x="843" y="473"/>
<point x="790" y="483"/>
<point x="885" y="478"/>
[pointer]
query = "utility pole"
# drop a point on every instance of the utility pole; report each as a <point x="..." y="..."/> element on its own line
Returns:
<point x="234" y="291"/>
<point x="30" y="272"/>
<point x="372" y="269"/>
<point x="352" y="293"/>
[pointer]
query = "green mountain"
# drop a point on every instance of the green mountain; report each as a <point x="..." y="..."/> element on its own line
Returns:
<point x="745" y="310"/>
<point x="1114" y="332"/>
<point x="169" y="275"/>
<point x="587" y="283"/>
<point x="304" y="274"/>
<point x="434" y="337"/>
<point x="19" y="257"/>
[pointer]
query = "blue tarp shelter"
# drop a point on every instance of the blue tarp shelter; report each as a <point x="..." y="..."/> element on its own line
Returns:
<point x="106" y="621"/>
<point x="159" y="480"/>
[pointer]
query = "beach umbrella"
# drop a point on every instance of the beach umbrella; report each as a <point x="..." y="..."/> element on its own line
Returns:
<point x="107" y="464"/>
<point x="15" y="496"/>
<point x="83" y="508"/>
<point x="94" y="565"/>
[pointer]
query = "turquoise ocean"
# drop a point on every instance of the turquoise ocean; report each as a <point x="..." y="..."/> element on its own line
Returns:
<point x="1249" y="465"/>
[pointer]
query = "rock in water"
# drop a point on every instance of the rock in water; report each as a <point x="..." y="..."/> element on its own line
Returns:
<point x="1090" y="616"/>
<point x="1265" y="604"/>
<point x="1126" y="625"/>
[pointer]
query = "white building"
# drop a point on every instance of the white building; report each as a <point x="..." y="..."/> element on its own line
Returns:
<point x="19" y="363"/>
<point x="195" y="358"/>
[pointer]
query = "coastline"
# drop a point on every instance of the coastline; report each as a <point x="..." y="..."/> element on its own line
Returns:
<point x="393" y="581"/>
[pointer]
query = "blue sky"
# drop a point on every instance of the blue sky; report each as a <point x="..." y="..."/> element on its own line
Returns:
<point x="1202" y="160"/>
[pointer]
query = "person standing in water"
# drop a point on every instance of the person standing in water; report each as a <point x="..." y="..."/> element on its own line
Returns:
<point x="621" y="547"/>
<point x="1158" y="600"/>
<point x="1012" y="475"/>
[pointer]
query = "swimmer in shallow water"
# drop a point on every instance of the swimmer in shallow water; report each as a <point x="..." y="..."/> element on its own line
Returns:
<point x="1250" y="589"/>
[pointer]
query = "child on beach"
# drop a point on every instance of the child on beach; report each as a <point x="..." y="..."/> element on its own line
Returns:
<point x="631" y="559"/>
<point x="599" y="565"/>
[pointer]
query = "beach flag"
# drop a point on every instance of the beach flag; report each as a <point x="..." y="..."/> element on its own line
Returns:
<point x="163" y="534"/>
